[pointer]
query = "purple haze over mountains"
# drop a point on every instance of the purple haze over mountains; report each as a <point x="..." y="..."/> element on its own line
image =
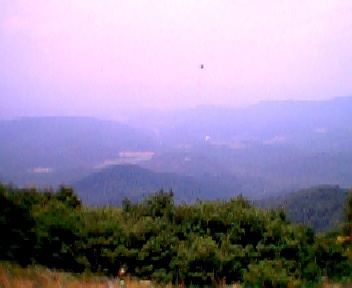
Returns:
<point x="106" y="59"/>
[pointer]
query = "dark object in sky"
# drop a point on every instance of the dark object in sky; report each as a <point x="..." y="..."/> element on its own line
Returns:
<point x="201" y="66"/>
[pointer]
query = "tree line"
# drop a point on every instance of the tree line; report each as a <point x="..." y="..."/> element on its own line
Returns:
<point x="206" y="243"/>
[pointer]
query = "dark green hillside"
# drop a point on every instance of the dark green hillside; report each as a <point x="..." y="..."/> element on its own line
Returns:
<point x="113" y="184"/>
<point x="319" y="207"/>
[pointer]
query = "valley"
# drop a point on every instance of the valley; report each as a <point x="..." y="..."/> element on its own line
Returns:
<point x="267" y="149"/>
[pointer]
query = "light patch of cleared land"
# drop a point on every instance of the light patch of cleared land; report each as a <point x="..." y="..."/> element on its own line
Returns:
<point x="127" y="157"/>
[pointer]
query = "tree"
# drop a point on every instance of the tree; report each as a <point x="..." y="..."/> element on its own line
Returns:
<point x="17" y="229"/>
<point x="271" y="273"/>
<point x="67" y="196"/>
<point x="348" y="216"/>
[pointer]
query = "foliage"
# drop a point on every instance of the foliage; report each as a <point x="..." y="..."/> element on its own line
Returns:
<point x="17" y="228"/>
<point x="207" y="243"/>
<point x="320" y="207"/>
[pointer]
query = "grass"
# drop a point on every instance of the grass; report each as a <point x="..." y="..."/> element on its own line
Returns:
<point x="13" y="276"/>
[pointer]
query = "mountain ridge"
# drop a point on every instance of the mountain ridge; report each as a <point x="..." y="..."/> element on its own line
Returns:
<point x="132" y="181"/>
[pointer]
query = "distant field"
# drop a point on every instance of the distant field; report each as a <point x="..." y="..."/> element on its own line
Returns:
<point x="127" y="157"/>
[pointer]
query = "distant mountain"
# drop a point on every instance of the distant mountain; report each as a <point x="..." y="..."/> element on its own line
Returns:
<point x="263" y="170"/>
<point x="273" y="146"/>
<point x="111" y="185"/>
<point x="266" y="122"/>
<point x="51" y="150"/>
<point x="320" y="207"/>
<point x="270" y="148"/>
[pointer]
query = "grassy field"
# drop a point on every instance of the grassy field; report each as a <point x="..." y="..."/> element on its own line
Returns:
<point x="13" y="276"/>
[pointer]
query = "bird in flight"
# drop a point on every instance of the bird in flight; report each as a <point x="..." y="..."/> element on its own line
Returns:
<point x="201" y="66"/>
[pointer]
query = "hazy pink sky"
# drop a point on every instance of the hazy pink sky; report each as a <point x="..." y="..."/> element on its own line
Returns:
<point x="82" y="57"/>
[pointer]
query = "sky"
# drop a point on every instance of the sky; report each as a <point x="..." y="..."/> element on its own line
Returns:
<point x="103" y="58"/>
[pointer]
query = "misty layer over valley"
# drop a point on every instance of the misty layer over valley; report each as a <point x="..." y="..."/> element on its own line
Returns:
<point x="208" y="152"/>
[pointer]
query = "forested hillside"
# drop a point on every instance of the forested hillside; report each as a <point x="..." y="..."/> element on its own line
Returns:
<point x="206" y="243"/>
<point x="319" y="207"/>
<point x="111" y="185"/>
